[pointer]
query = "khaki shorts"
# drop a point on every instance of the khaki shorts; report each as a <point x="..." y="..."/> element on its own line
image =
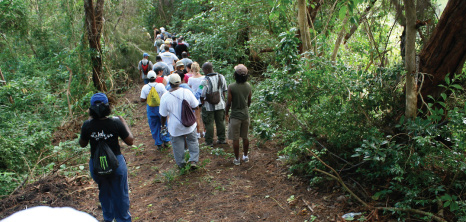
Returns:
<point x="238" y="128"/>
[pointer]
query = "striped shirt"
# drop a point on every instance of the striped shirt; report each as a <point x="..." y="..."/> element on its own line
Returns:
<point x="209" y="85"/>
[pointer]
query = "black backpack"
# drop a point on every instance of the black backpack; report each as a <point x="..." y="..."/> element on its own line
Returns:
<point x="104" y="160"/>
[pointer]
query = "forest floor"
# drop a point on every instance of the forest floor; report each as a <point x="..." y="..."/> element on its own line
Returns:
<point x="260" y="190"/>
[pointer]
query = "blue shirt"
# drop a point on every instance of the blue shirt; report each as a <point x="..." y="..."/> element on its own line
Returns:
<point x="183" y="85"/>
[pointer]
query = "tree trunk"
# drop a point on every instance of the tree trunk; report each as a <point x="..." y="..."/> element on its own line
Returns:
<point x="94" y="23"/>
<point x="445" y="52"/>
<point x="411" y="87"/>
<point x="339" y="38"/>
<point x="303" y="24"/>
<point x="312" y="9"/>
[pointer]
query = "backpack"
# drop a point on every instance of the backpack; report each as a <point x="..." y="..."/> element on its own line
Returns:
<point x="187" y="115"/>
<point x="153" y="99"/>
<point x="159" y="42"/>
<point x="213" y="97"/>
<point x="104" y="160"/>
<point x="145" y="68"/>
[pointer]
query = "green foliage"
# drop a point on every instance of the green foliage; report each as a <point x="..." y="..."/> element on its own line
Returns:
<point x="14" y="16"/>
<point x="345" y="116"/>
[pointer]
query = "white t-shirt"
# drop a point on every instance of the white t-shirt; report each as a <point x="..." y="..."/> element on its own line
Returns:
<point x="159" y="87"/>
<point x="170" y="105"/>
<point x="169" y="58"/>
<point x="49" y="214"/>
<point x="195" y="82"/>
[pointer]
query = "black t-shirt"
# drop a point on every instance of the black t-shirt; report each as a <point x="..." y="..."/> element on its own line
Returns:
<point x="107" y="129"/>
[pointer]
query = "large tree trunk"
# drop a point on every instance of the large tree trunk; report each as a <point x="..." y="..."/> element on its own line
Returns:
<point x="303" y="24"/>
<point x="445" y="52"/>
<point x="94" y="23"/>
<point x="411" y="87"/>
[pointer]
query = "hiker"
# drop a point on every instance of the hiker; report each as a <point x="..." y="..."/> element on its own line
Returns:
<point x="165" y="34"/>
<point x="169" y="58"/>
<point x="158" y="42"/>
<point x="159" y="78"/>
<point x="156" y="31"/>
<point x="181" y="72"/>
<point x="188" y="72"/>
<point x="185" y="59"/>
<point x="152" y="108"/>
<point x="214" y="87"/>
<point x="171" y="105"/>
<point x="194" y="82"/>
<point x="168" y="43"/>
<point x="113" y="189"/>
<point x="239" y="99"/>
<point x="144" y="66"/>
<point x="180" y="48"/>
<point x="173" y="43"/>
<point x="159" y="62"/>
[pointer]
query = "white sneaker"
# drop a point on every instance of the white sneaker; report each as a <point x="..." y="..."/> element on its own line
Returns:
<point x="245" y="159"/>
<point x="198" y="135"/>
<point x="237" y="162"/>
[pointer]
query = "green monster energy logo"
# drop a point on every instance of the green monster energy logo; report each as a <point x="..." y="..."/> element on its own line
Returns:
<point x="103" y="162"/>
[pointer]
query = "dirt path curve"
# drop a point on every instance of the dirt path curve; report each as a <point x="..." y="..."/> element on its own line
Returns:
<point x="260" y="190"/>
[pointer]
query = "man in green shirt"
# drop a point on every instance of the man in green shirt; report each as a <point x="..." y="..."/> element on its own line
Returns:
<point x="239" y="99"/>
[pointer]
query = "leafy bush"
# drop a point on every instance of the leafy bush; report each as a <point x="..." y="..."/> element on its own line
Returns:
<point x="348" y="118"/>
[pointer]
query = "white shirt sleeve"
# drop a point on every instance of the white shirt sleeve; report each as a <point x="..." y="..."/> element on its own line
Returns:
<point x="144" y="92"/>
<point x="224" y="83"/>
<point x="161" y="89"/>
<point x="204" y="85"/>
<point x="163" y="106"/>
<point x="189" y="96"/>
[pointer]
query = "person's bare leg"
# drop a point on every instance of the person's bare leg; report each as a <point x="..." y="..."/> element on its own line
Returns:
<point x="245" y="146"/>
<point x="236" y="148"/>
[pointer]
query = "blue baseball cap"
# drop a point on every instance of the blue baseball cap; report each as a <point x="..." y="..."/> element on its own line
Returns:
<point x="99" y="97"/>
<point x="145" y="54"/>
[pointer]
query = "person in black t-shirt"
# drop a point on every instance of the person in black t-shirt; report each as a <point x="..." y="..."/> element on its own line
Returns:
<point x="113" y="190"/>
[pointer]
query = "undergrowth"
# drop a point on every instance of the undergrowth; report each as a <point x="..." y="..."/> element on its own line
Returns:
<point x="353" y="120"/>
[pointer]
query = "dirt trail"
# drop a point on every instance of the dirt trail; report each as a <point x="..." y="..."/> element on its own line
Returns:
<point x="260" y="190"/>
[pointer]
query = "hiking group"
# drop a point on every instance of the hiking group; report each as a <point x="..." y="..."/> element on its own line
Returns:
<point x="182" y="106"/>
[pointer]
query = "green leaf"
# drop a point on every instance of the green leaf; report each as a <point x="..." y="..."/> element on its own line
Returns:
<point x="445" y="197"/>
<point x="446" y="204"/>
<point x="377" y="195"/>
<point x="454" y="206"/>
<point x="457" y="86"/>
<point x="444" y="96"/>
<point x="447" y="80"/>
<point x="343" y="12"/>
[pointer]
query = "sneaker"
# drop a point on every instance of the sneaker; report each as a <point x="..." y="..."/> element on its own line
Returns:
<point x="245" y="159"/>
<point x="221" y="142"/>
<point x="194" y="165"/>
<point x="208" y="144"/>
<point x="237" y="162"/>
<point x="198" y="135"/>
